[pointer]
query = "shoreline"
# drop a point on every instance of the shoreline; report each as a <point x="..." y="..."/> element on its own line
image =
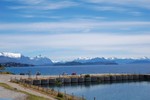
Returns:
<point x="19" y="81"/>
<point x="5" y="78"/>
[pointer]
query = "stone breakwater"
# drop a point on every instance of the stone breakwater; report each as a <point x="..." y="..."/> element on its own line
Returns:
<point x="100" y="78"/>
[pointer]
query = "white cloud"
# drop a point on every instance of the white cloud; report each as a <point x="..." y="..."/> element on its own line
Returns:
<point x="73" y="45"/>
<point x="136" y="13"/>
<point x="73" y="26"/>
<point x="43" y="4"/>
<point x="32" y="2"/>
<point x="87" y="34"/>
<point x="130" y="3"/>
<point x="119" y="9"/>
<point x="132" y="7"/>
<point x="38" y="16"/>
<point x="109" y="8"/>
<point x="75" y="40"/>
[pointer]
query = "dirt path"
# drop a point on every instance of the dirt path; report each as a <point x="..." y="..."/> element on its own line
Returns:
<point x="6" y="78"/>
<point x="11" y="95"/>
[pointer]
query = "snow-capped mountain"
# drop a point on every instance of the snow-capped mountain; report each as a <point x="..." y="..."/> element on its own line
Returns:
<point x="113" y="60"/>
<point x="13" y="58"/>
<point x="39" y="60"/>
<point x="93" y="60"/>
<point x="11" y="55"/>
<point x="88" y="61"/>
<point x="6" y="57"/>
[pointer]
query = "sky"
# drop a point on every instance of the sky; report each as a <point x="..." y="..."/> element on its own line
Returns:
<point x="68" y="29"/>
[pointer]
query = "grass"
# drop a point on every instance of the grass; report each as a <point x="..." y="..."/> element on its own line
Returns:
<point x="30" y="96"/>
<point x="6" y="73"/>
<point x="6" y="86"/>
<point x="34" y="97"/>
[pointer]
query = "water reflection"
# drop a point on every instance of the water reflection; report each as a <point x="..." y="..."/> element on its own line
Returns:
<point x="90" y="84"/>
<point x="126" y="90"/>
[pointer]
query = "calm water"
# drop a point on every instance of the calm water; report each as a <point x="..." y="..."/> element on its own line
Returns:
<point x="5" y="99"/>
<point x="115" y="91"/>
<point x="86" y="69"/>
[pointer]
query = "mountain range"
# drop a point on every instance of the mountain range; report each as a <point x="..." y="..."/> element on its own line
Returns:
<point x="17" y="59"/>
<point x="105" y="61"/>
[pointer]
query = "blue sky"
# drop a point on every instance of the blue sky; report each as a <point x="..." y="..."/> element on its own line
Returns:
<point x="67" y="29"/>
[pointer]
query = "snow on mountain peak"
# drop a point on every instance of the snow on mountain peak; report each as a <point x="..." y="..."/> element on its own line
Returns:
<point x="11" y="55"/>
<point x="6" y="57"/>
<point x="84" y="58"/>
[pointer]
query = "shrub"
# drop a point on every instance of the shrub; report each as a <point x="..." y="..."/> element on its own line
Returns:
<point x="2" y="67"/>
<point x="60" y="95"/>
<point x="87" y="75"/>
<point x="58" y="83"/>
<point x="70" y="99"/>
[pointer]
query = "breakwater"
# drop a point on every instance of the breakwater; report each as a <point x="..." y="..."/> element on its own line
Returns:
<point x="100" y="78"/>
<point x="35" y="83"/>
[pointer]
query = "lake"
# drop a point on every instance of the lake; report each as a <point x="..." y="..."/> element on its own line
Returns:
<point x="109" y="91"/>
<point x="83" y="69"/>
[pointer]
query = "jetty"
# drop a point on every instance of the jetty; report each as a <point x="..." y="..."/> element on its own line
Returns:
<point x="35" y="82"/>
<point x="70" y="79"/>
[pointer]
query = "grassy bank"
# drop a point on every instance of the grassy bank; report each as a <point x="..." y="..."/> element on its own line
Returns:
<point x="6" y="73"/>
<point x="30" y="96"/>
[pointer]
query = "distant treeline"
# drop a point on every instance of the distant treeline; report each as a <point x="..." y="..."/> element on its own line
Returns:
<point x="13" y="64"/>
<point x="88" y="63"/>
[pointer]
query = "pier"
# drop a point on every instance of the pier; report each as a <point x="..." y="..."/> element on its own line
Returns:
<point x="100" y="78"/>
<point x="35" y="82"/>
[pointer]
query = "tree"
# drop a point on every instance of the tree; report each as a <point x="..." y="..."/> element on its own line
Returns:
<point x="2" y="67"/>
